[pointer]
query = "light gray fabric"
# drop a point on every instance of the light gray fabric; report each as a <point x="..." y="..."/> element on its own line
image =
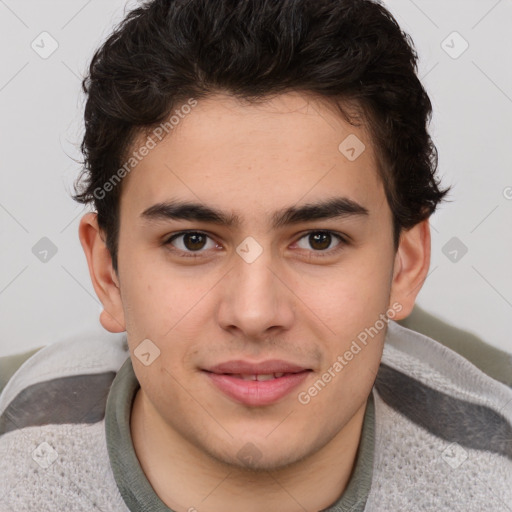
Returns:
<point x="429" y="456"/>
<point x="494" y="362"/>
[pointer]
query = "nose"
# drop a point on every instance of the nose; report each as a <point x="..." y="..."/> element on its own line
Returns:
<point x="256" y="300"/>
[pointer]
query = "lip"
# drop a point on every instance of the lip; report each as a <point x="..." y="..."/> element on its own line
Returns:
<point x="256" y="393"/>
<point x="239" y="366"/>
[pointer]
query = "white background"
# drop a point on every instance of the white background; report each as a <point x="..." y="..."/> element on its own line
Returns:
<point x="41" y="126"/>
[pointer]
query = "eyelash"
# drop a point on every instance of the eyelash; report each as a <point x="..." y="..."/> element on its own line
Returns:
<point x="321" y="254"/>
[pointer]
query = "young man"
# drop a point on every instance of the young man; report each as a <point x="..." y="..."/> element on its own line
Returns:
<point x="262" y="177"/>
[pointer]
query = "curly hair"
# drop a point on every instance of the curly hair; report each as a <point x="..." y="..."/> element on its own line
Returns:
<point x="351" y="52"/>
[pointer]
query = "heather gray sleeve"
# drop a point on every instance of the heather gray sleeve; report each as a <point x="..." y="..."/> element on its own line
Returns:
<point x="494" y="362"/>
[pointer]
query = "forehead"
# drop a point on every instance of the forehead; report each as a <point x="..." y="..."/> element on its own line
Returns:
<point x="255" y="157"/>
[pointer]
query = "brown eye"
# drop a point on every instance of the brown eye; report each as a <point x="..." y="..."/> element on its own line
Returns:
<point x="190" y="241"/>
<point x="320" y="240"/>
<point x="194" y="241"/>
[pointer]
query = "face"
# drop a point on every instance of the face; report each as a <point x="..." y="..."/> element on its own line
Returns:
<point x="281" y="287"/>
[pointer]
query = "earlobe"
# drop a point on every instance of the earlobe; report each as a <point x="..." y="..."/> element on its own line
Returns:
<point x="411" y="266"/>
<point x="103" y="276"/>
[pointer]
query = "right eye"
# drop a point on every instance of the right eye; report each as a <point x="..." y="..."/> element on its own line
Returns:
<point x="189" y="242"/>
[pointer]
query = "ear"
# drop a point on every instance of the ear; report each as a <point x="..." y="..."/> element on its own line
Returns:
<point x="412" y="261"/>
<point x="103" y="276"/>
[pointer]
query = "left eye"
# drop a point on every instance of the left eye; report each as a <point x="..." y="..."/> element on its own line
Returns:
<point x="320" y="240"/>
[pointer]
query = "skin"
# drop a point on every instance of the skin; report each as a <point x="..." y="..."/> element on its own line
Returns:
<point x="290" y="303"/>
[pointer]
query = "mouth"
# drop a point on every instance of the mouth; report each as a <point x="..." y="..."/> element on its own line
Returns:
<point x="253" y="388"/>
<point x="259" y="377"/>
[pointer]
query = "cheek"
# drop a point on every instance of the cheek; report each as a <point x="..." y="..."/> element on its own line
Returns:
<point x="350" y="298"/>
<point x="158" y="301"/>
<point x="165" y="389"/>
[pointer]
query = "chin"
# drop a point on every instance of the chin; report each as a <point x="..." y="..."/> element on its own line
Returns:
<point x="261" y="456"/>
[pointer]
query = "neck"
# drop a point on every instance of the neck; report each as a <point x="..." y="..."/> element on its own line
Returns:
<point x="188" y="480"/>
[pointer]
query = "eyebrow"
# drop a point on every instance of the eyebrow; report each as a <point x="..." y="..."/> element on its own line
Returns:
<point x="337" y="207"/>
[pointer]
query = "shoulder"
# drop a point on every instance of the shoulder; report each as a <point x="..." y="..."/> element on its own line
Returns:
<point x="494" y="362"/>
<point x="52" y="432"/>
<point x="46" y="384"/>
<point x="443" y="428"/>
<point x="440" y="389"/>
<point x="419" y="357"/>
